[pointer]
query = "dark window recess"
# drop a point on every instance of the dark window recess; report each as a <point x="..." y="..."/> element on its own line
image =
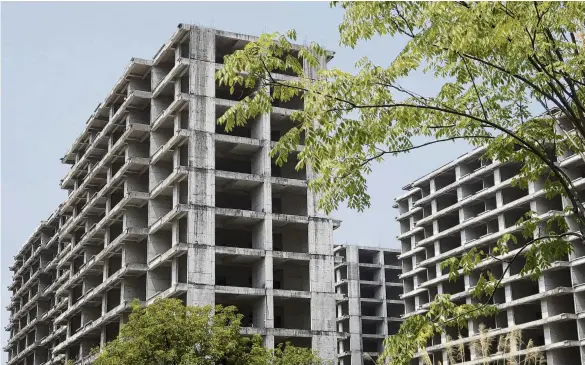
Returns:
<point x="276" y="205"/>
<point x="274" y="135"/>
<point x="277" y="241"/>
<point x="277" y="322"/>
<point x="221" y="280"/>
<point x="275" y="170"/>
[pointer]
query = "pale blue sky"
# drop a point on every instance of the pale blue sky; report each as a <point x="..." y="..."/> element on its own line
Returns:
<point x="59" y="60"/>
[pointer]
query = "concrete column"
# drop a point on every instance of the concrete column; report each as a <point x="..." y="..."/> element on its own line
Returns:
<point x="201" y="197"/>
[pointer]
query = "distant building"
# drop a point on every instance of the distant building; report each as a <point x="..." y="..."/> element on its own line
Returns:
<point x="368" y="278"/>
<point x="468" y="203"/>
<point x="164" y="203"/>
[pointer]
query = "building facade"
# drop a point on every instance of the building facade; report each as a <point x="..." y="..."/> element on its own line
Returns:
<point x="470" y="202"/>
<point x="162" y="202"/>
<point x="371" y="309"/>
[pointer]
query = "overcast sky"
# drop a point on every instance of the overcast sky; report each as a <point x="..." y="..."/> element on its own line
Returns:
<point x="59" y="60"/>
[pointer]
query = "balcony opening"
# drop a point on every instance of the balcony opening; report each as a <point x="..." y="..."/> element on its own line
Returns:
<point x="393" y="327"/>
<point x="509" y="170"/>
<point x="251" y="308"/>
<point x="449" y="242"/>
<point x="291" y="275"/>
<point x="368" y="257"/>
<point x="473" y="210"/>
<point x="454" y="287"/>
<point x="73" y="352"/>
<point x="512" y="194"/>
<point x="512" y="216"/>
<point x="343" y="345"/>
<point x="408" y="284"/>
<point x="114" y="264"/>
<point x="292" y="313"/>
<point x="372" y="327"/>
<point x="563" y="304"/>
<point x="404" y="225"/>
<point x="76" y="293"/>
<point x="391" y="259"/>
<point x="471" y="188"/>
<point x="524" y="288"/>
<point x="425" y="189"/>
<point x="341" y="289"/>
<point x="525" y="313"/>
<point x="575" y="171"/>
<point x="369" y="274"/>
<point x="240" y="238"/>
<point x="370" y="292"/>
<point x="293" y="203"/>
<point x="392" y="275"/>
<point x="182" y="269"/>
<point x="290" y="238"/>
<point x="488" y="181"/>
<point x="427" y="210"/>
<point x="251" y="128"/>
<point x="371" y="345"/>
<point x="369" y="309"/>
<point x="561" y="278"/>
<point x="341" y="274"/>
<point x="238" y="131"/>
<point x="446" y="200"/>
<point x="420" y="257"/>
<point x="237" y="275"/>
<point x="444" y="179"/>
<point x="233" y="200"/>
<point x="159" y="243"/>
<point x="393" y="292"/>
<point x="280" y="125"/>
<point x="235" y="163"/>
<point x="112" y="330"/>
<point x="113" y="298"/>
<point x="563" y="331"/>
<point x="240" y="92"/>
<point x="226" y="46"/>
<point x="407" y="264"/>
<point x="406" y="244"/>
<point x="448" y="221"/>
<point x="75" y="324"/>
<point x="470" y="166"/>
<point x="288" y="169"/>
<point x="403" y="206"/>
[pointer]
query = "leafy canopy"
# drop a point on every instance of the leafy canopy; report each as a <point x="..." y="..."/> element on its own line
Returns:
<point x="170" y="333"/>
<point x="513" y="85"/>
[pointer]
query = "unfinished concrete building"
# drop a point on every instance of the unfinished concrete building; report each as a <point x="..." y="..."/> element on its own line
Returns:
<point x="371" y="308"/>
<point x="162" y="202"/>
<point x="470" y="202"/>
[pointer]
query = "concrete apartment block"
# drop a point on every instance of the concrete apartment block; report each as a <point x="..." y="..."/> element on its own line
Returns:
<point x="371" y="309"/>
<point x="468" y="203"/>
<point x="164" y="203"/>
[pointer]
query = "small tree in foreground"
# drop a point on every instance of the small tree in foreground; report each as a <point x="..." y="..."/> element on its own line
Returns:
<point x="170" y="333"/>
<point x="513" y="84"/>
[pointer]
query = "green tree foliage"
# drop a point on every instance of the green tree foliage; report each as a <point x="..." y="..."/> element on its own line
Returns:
<point x="170" y="333"/>
<point x="513" y="84"/>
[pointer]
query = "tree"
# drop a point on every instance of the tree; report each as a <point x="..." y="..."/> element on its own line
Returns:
<point x="513" y="84"/>
<point x="170" y="333"/>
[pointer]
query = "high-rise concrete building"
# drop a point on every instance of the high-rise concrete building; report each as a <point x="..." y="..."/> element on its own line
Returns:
<point x="470" y="202"/>
<point x="371" y="309"/>
<point x="162" y="202"/>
